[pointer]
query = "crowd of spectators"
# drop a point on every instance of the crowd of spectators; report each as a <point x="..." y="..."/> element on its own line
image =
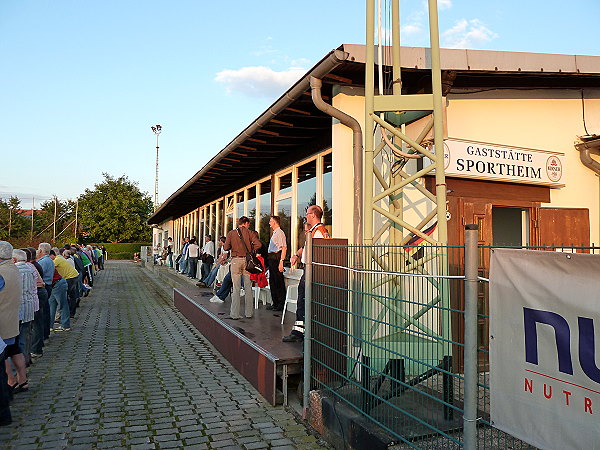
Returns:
<point x="224" y="271"/>
<point x="40" y="291"/>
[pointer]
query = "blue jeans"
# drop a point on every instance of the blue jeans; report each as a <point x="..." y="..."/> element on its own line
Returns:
<point x="37" y="339"/>
<point x="182" y="265"/>
<point x="193" y="266"/>
<point x="25" y="337"/>
<point x="73" y="293"/>
<point x="225" y="288"/>
<point x="58" y="300"/>
<point x="210" y="278"/>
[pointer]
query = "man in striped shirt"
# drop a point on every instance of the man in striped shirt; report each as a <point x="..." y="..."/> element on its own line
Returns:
<point x="29" y="305"/>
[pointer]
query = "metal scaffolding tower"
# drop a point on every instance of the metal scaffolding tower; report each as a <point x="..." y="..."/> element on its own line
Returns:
<point x="398" y="208"/>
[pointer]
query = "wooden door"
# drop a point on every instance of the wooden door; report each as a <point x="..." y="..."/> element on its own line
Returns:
<point x="479" y="212"/>
<point x="562" y="227"/>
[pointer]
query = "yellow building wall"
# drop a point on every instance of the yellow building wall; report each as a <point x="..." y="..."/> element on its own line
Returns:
<point x="352" y="102"/>
<point x="544" y="120"/>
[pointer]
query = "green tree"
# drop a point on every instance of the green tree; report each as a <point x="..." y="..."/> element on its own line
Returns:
<point x="64" y="211"/>
<point x="115" y="211"/>
<point x="13" y="225"/>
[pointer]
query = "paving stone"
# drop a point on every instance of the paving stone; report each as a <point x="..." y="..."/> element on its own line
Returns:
<point x="211" y="431"/>
<point x="192" y="434"/>
<point x="220" y="437"/>
<point x="256" y="445"/>
<point x="162" y="426"/>
<point x="142" y="446"/>
<point x="272" y="436"/>
<point x="104" y="431"/>
<point x="228" y="443"/>
<point x="165" y="437"/>
<point x="138" y="440"/>
<point x="84" y="440"/>
<point x="196" y="446"/>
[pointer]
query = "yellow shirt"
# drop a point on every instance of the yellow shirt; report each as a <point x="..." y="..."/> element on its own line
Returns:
<point x="65" y="269"/>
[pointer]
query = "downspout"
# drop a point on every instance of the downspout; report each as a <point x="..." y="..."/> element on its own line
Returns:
<point x="357" y="139"/>
<point x="586" y="147"/>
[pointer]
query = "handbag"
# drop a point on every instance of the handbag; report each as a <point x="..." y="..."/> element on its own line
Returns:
<point x="207" y="258"/>
<point x="253" y="265"/>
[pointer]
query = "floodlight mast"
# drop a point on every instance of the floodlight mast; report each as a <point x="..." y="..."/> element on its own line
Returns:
<point x="416" y="241"/>
<point x="377" y="110"/>
<point x="156" y="129"/>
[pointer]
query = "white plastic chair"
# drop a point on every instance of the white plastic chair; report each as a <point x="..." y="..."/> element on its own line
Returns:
<point x="290" y="298"/>
<point x="263" y="294"/>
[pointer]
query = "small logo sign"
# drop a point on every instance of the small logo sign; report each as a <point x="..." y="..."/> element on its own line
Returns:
<point x="446" y="156"/>
<point x="554" y="169"/>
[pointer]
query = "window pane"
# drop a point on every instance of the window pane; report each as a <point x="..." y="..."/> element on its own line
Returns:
<point x="220" y="217"/>
<point x="229" y="214"/>
<point x="212" y="221"/>
<point x="284" y="211"/>
<point x="285" y="183"/>
<point x="307" y="195"/>
<point x="239" y="204"/>
<point x="252" y="206"/>
<point x="327" y="196"/>
<point x="264" y="232"/>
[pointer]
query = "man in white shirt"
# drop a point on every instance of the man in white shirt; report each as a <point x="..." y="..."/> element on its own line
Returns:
<point x="314" y="214"/>
<point x="193" y="251"/>
<point x="208" y="256"/>
<point x="276" y="256"/>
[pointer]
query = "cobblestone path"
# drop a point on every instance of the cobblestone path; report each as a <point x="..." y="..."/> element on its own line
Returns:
<point x="133" y="373"/>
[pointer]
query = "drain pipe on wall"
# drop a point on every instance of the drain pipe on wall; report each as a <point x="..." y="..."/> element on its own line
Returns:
<point x="358" y="257"/>
<point x="587" y="146"/>
<point x="350" y="122"/>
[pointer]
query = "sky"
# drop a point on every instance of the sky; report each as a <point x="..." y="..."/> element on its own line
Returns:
<point x="82" y="82"/>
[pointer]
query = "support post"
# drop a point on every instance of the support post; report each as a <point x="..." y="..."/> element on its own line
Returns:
<point x="307" y="322"/>
<point x="470" y="357"/>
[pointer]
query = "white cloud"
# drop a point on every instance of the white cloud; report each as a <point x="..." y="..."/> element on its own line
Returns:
<point x="299" y="63"/>
<point x="258" y="81"/>
<point x="445" y="4"/>
<point x="467" y="34"/>
<point x="414" y="28"/>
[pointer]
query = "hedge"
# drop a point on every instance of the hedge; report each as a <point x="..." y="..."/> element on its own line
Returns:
<point x="123" y="250"/>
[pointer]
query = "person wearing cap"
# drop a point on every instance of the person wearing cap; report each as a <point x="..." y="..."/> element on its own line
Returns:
<point x="10" y="299"/>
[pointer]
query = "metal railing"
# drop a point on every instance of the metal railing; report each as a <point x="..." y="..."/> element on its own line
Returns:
<point x="387" y="328"/>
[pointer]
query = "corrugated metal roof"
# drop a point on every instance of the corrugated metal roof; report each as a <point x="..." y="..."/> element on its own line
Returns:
<point x="488" y="60"/>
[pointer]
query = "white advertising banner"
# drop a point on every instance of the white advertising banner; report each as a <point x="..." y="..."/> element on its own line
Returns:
<point x="544" y="375"/>
<point x="502" y="163"/>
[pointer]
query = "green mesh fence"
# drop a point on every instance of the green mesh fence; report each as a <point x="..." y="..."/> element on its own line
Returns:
<point x="387" y="340"/>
